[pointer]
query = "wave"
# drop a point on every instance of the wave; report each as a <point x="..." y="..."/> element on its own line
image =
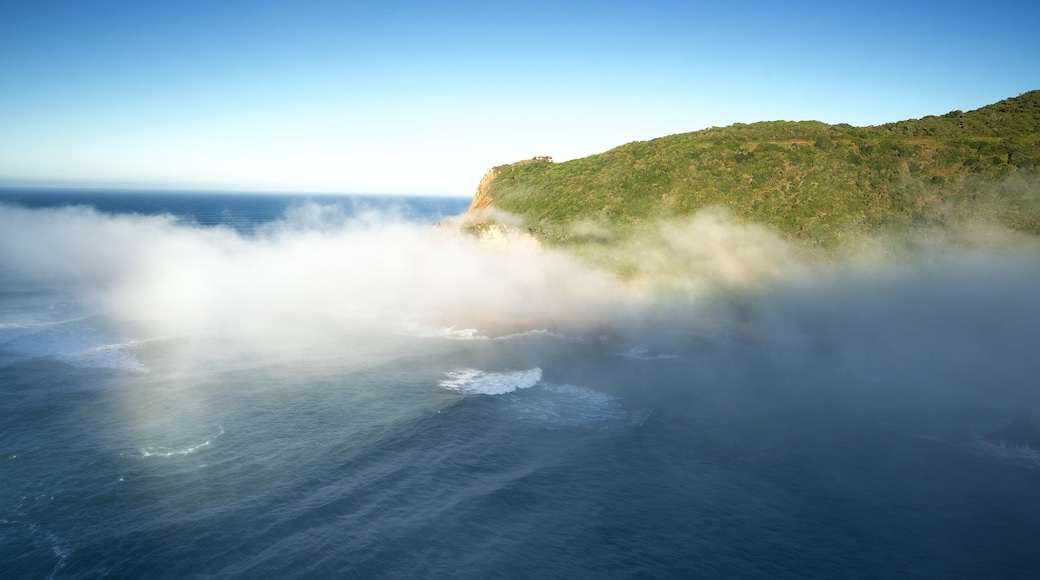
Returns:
<point x="534" y="332"/>
<point x="39" y="537"/>
<point x="1022" y="456"/>
<point x="109" y="356"/>
<point x="457" y="333"/>
<point x="523" y="396"/>
<point x="75" y="342"/>
<point x="561" y="406"/>
<point x="643" y="354"/>
<point x="449" y="332"/>
<point x="476" y="382"/>
<point x="167" y="452"/>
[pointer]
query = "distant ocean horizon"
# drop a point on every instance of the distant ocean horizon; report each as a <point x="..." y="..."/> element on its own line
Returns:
<point x="283" y="386"/>
<point x="240" y="209"/>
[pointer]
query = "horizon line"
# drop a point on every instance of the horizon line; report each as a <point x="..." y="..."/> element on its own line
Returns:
<point x="157" y="188"/>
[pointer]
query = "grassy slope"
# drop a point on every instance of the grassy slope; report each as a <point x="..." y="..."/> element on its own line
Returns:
<point x="810" y="180"/>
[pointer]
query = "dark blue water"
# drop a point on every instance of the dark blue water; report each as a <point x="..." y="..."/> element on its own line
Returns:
<point x="369" y="398"/>
<point x="241" y="211"/>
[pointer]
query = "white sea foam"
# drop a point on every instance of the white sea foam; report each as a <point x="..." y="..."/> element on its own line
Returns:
<point x="476" y="382"/>
<point x="552" y="406"/>
<point x="108" y="356"/>
<point x="46" y="337"/>
<point x="560" y="406"/>
<point x="12" y="330"/>
<point x="1023" y="456"/>
<point x="534" y="332"/>
<point x="168" y="452"/>
<point x="75" y="342"/>
<point x="58" y="548"/>
<point x="644" y="354"/>
<point x="450" y="332"/>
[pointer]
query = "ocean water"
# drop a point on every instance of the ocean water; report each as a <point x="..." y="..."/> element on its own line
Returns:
<point x="274" y="386"/>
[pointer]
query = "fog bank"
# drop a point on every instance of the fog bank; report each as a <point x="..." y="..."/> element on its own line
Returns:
<point x="940" y="304"/>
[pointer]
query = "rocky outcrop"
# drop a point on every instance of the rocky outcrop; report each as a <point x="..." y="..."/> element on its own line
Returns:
<point x="485" y="222"/>
<point x="481" y="205"/>
<point x="505" y="236"/>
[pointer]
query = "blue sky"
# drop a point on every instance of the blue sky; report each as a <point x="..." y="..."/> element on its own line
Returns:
<point x="422" y="97"/>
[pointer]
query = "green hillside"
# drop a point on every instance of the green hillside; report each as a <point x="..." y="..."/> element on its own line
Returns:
<point x="810" y="180"/>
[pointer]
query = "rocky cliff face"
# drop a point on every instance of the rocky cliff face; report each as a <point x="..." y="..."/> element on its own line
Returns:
<point x="480" y="207"/>
<point x="481" y="221"/>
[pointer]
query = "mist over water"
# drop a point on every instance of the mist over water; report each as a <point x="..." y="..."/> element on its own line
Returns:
<point x="315" y="273"/>
<point x="346" y="392"/>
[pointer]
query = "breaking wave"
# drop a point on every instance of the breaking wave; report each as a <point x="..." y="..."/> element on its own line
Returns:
<point x="77" y="342"/>
<point x="174" y="452"/>
<point x="1022" y="456"/>
<point x="476" y="382"/>
<point x="560" y="406"/>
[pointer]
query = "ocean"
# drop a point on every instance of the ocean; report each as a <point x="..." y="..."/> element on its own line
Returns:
<point x="281" y="386"/>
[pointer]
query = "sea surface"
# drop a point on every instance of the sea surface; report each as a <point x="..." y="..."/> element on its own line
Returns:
<point x="276" y="386"/>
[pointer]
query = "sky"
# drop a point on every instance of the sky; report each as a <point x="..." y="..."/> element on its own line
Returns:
<point x="405" y="97"/>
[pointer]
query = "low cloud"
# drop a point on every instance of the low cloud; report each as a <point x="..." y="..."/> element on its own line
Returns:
<point x="313" y="275"/>
<point x="960" y="306"/>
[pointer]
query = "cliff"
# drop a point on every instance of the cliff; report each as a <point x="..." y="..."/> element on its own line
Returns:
<point x="809" y="180"/>
<point x="479" y="208"/>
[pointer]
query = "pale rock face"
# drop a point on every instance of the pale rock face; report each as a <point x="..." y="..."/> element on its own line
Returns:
<point x="479" y="208"/>
<point x="507" y="237"/>
<point x="496" y="234"/>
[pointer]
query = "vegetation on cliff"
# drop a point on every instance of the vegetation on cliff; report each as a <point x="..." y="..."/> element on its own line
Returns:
<point x="809" y="180"/>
